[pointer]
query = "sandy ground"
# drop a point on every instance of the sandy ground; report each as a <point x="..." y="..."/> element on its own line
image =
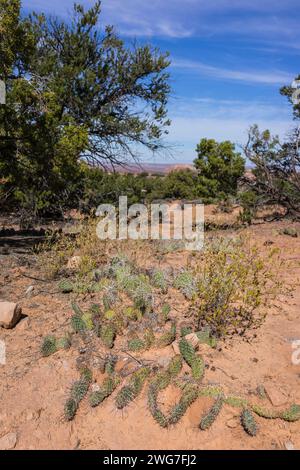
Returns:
<point x="33" y="389"/>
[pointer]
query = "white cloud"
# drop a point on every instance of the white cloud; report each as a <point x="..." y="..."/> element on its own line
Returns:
<point x="271" y="77"/>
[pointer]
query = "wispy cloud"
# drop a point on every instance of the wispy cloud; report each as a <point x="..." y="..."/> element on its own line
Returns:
<point x="252" y="76"/>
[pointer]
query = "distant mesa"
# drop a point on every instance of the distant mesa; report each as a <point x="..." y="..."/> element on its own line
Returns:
<point x="151" y="168"/>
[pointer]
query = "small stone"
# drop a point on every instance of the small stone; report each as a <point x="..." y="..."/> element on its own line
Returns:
<point x="175" y="347"/>
<point x="95" y="388"/>
<point x="164" y="361"/>
<point x="24" y="324"/>
<point x="289" y="445"/>
<point x="8" y="441"/>
<point x="232" y="423"/>
<point x="275" y="395"/>
<point x="10" y="314"/>
<point x="29" y="291"/>
<point x="193" y="339"/>
<point x="74" y="262"/>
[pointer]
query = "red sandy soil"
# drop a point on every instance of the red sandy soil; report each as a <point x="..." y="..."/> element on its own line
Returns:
<point x="33" y="389"/>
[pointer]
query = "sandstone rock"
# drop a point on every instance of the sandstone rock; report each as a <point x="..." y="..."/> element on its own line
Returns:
<point x="175" y="347"/>
<point x="289" y="445"/>
<point x="10" y="314"/>
<point x="74" y="262"/>
<point x="232" y="423"/>
<point x="275" y="395"/>
<point x="29" y="291"/>
<point x="8" y="441"/>
<point x="193" y="339"/>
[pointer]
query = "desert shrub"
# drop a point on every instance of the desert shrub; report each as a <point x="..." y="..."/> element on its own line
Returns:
<point x="249" y="203"/>
<point x="186" y="284"/>
<point x="234" y="285"/>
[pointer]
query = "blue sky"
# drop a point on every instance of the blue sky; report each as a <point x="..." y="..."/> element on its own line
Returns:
<point x="229" y="59"/>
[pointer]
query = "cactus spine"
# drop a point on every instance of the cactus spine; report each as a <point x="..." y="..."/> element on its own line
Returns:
<point x="212" y="415"/>
<point x="248" y="422"/>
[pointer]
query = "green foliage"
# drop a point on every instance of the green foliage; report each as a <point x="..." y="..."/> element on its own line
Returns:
<point x="129" y="392"/>
<point x="195" y="362"/>
<point x="156" y="413"/>
<point x="167" y="338"/>
<point x="79" y="389"/>
<point x="110" y="363"/>
<point x="290" y="231"/>
<point x="175" y="365"/>
<point x="77" y="310"/>
<point x="235" y="283"/>
<point x="220" y="168"/>
<point x="70" y="409"/>
<point x="78" y="324"/>
<point x="49" y="346"/>
<point x="136" y="344"/>
<point x="186" y="330"/>
<point x="264" y="413"/>
<point x="107" y="335"/>
<point x="292" y="414"/>
<point x="66" y="286"/>
<point x="185" y="282"/>
<point x="73" y="91"/>
<point x="108" y="386"/>
<point x="236" y="402"/>
<point x="212" y="415"/>
<point x="165" y="310"/>
<point x="275" y="171"/>
<point x="205" y="337"/>
<point x="132" y="313"/>
<point x="189" y="395"/>
<point x="159" y="280"/>
<point x="187" y="351"/>
<point x="249" y="202"/>
<point x="64" y="343"/>
<point x="248" y="422"/>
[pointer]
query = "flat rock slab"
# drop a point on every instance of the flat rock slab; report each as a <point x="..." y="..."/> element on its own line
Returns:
<point x="275" y="395"/>
<point x="8" y="441"/>
<point x="10" y="314"/>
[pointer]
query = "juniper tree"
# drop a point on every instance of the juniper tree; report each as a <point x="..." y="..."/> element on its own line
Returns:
<point x="79" y="94"/>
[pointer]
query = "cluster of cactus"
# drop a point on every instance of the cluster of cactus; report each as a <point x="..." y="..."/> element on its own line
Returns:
<point x="109" y="385"/>
<point x="66" y="286"/>
<point x="110" y="363"/>
<point x="195" y="362"/>
<point x="110" y="297"/>
<point x="212" y="415"/>
<point x="248" y="422"/>
<point x="132" y="314"/>
<point x="161" y="381"/>
<point x="108" y="334"/>
<point x="189" y="395"/>
<point x="77" y="321"/>
<point x="205" y="337"/>
<point x="167" y="338"/>
<point x="139" y="344"/>
<point x="185" y="282"/>
<point x="129" y="392"/>
<point x="51" y="345"/>
<point x="159" y="280"/>
<point x="185" y="330"/>
<point x="79" y="390"/>
<point x="165" y="310"/>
